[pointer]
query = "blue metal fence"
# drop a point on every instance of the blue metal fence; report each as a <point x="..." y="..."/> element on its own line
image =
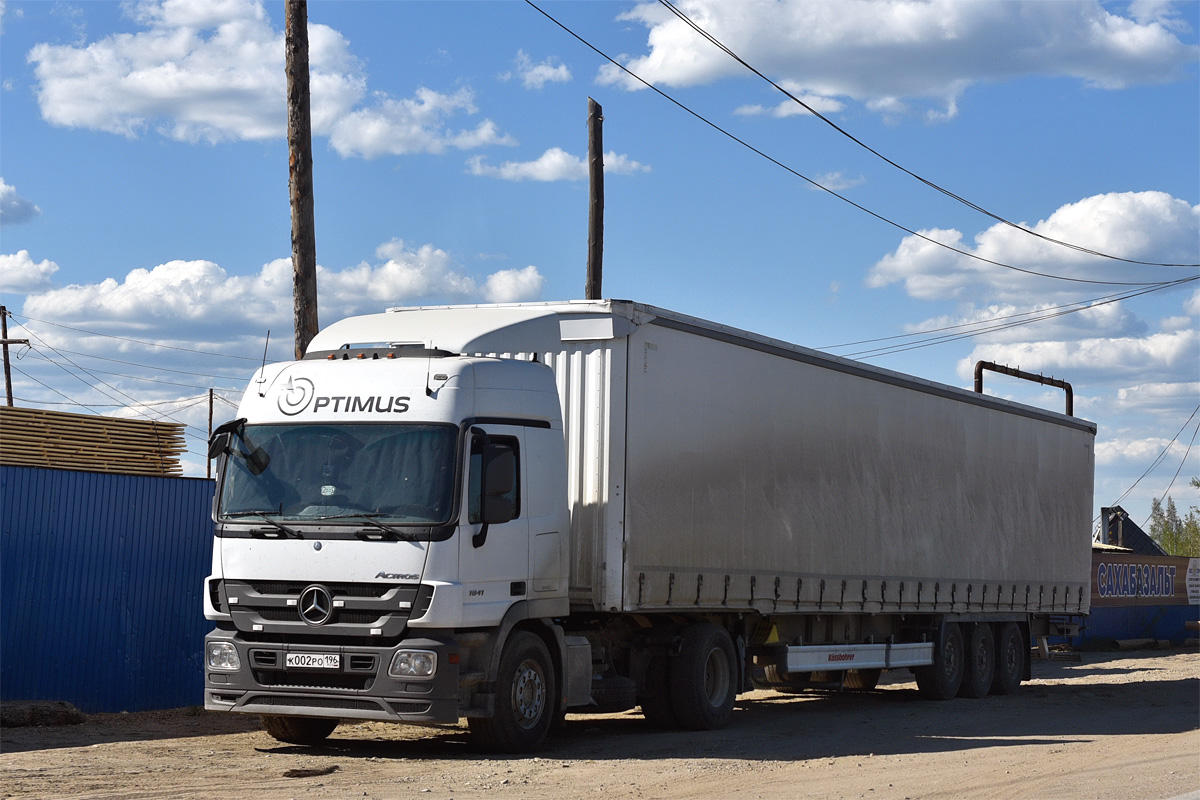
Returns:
<point x="100" y="588"/>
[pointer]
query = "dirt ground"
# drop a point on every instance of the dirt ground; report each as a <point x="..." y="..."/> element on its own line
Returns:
<point x="1113" y="725"/>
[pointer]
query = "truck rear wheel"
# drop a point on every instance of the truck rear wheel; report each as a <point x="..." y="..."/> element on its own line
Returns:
<point x="704" y="678"/>
<point x="1011" y="651"/>
<point x="299" y="730"/>
<point x="655" y="698"/>
<point x="524" y="699"/>
<point x="941" y="679"/>
<point x="980" y="665"/>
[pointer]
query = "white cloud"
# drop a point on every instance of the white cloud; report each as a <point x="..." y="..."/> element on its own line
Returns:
<point x="1157" y="357"/>
<point x="851" y="48"/>
<point x="836" y="181"/>
<point x="536" y="76"/>
<point x="1192" y="306"/>
<point x="1147" y="226"/>
<point x="200" y="299"/>
<point x="15" y="209"/>
<point x="400" y="127"/>
<point x="1158" y="397"/>
<point x="1136" y="451"/>
<point x="20" y="274"/>
<point x="214" y="72"/>
<point x="555" y="164"/>
<point x="514" y="285"/>
<point x="790" y="108"/>
<point x="1007" y="322"/>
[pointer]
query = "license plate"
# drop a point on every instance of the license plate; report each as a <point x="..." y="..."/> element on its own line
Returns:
<point x="314" y="660"/>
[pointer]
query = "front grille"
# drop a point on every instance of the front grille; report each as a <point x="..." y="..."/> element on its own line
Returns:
<point x="314" y="680"/>
<point x="314" y="702"/>
<point x="408" y="707"/>
<point x="359" y="609"/>
<point x="336" y="589"/>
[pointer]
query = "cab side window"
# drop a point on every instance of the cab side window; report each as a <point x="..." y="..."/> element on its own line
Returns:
<point x="479" y="445"/>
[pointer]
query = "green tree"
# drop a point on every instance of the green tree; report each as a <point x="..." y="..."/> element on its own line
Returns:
<point x="1178" y="536"/>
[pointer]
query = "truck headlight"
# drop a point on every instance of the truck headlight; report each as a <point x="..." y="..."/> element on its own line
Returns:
<point x="224" y="656"/>
<point x="413" y="664"/>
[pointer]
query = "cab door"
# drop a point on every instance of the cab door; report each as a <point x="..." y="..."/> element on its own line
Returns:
<point x="493" y="556"/>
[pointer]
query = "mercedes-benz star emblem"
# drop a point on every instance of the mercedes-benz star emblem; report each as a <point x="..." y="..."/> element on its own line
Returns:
<point x="316" y="606"/>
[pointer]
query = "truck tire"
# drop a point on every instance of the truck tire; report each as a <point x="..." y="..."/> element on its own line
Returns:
<point x="1011" y="652"/>
<point x="941" y="679"/>
<point x="655" y="698"/>
<point x="862" y="680"/>
<point x="704" y="678"/>
<point x="979" y="668"/>
<point x="525" y="692"/>
<point x="299" y="730"/>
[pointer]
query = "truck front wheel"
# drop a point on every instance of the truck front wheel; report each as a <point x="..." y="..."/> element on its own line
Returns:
<point x="704" y="678"/>
<point x="299" y="730"/>
<point x="941" y="679"/>
<point x="524" y="699"/>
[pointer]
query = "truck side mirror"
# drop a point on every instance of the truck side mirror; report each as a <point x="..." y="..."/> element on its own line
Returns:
<point x="218" y="444"/>
<point x="221" y="437"/>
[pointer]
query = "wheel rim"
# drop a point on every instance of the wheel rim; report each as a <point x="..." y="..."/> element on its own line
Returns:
<point x="716" y="677"/>
<point x="1012" y="657"/>
<point x="952" y="655"/>
<point x="529" y="694"/>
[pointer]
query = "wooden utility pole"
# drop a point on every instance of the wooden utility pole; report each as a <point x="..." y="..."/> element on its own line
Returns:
<point x="5" y="342"/>
<point x="300" y="180"/>
<point x="208" y="462"/>
<point x="595" y="262"/>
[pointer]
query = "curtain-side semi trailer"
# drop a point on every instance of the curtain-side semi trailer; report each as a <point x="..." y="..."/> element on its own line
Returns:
<point x="511" y="512"/>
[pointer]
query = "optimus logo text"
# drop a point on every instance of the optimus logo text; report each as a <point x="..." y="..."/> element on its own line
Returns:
<point x="300" y="395"/>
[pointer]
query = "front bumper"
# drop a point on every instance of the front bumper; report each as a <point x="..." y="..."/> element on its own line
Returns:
<point x="360" y="689"/>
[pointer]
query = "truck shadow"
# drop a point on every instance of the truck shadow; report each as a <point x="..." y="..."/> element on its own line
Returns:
<point x="893" y="720"/>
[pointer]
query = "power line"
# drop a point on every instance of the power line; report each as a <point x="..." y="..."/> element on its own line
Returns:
<point x="900" y="348"/>
<point x="137" y="364"/>
<point x="56" y="391"/>
<point x="1182" y="461"/>
<point x="822" y="187"/>
<point x="138" y="341"/>
<point x="716" y="42"/>
<point x="1157" y="460"/>
<point x="162" y="415"/>
<point x="187" y="401"/>
<point x="1085" y="303"/>
<point x="137" y="377"/>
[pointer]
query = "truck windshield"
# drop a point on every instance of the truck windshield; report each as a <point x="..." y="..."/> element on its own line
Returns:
<point x="389" y="472"/>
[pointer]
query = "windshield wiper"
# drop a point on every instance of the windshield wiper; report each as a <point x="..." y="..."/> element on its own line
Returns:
<point x="367" y="517"/>
<point x="265" y="516"/>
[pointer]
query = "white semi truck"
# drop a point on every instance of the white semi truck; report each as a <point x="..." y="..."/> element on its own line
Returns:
<point x="511" y="512"/>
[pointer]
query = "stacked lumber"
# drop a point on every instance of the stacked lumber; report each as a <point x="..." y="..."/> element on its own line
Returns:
<point x="31" y="437"/>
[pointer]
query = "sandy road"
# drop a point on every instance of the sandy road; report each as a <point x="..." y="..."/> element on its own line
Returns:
<point x="1113" y="725"/>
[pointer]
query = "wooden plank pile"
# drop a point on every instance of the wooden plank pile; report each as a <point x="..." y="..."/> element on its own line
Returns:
<point x="31" y="437"/>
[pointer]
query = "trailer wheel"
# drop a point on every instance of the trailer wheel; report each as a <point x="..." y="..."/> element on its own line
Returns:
<point x="299" y="730"/>
<point x="704" y="678"/>
<point x="655" y="698"/>
<point x="941" y="679"/>
<point x="862" y="680"/>
<point x="524" y="699"/>
<point x="1011" y="651"/>
<point x="979" y="668"/>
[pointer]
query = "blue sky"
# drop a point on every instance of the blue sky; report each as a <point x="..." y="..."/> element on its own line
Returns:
<point x="144" y="192"/>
